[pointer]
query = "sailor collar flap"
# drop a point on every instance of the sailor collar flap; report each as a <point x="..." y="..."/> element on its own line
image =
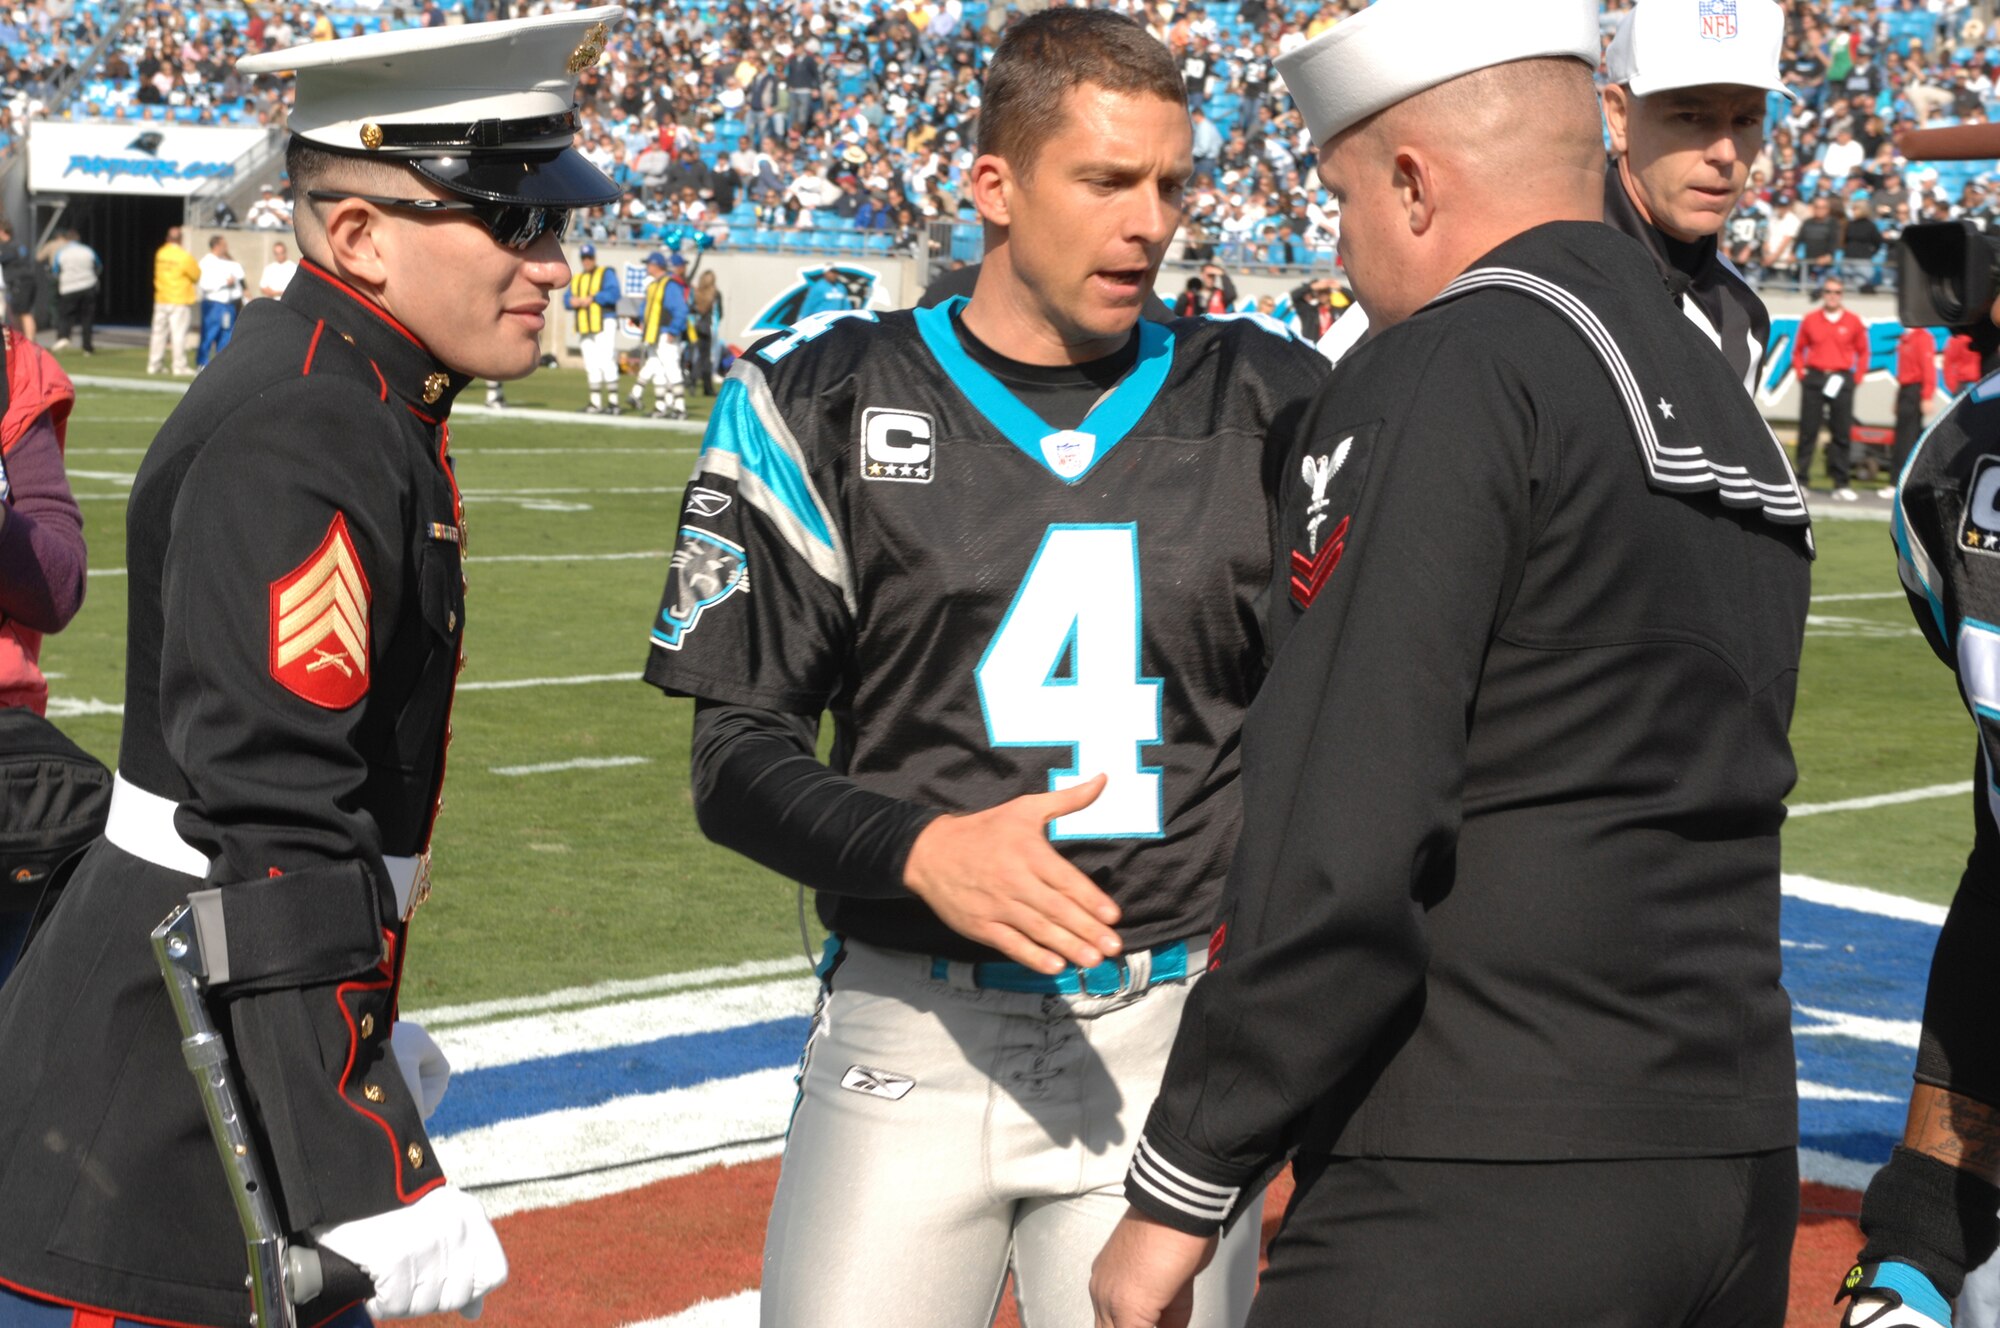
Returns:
<point x="1715" y="441"/>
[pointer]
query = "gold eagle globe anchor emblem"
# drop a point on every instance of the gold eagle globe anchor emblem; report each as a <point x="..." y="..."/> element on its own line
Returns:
<point x="584" y="56"/>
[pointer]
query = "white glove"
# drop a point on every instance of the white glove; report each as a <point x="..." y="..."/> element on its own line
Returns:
<point x="1866" y="1311"/>
<point x="423" y="1064"/>
<point x="440" y="1253"/>
<point x="1893" y="1294"/>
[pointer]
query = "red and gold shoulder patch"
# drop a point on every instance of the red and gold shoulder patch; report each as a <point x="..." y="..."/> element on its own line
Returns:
<point x="319" y="624"/>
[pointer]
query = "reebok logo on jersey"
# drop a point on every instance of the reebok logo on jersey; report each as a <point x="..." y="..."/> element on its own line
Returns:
<point x="1979" y="528"/>
<point x="706" y="502"/>
<point x="898" y="445"/>
<point x="877" y="1083"/>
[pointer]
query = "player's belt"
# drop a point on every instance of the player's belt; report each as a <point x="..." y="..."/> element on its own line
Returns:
<point x="142" y="824"/>
<point x="1170" y="962"/>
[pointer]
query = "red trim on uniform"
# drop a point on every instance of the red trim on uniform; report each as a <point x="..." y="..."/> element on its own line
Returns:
<point x="380" y="379"/>
<point x="361" y="300"/>
<point x="337" y="1313"/>
<point x="98" y="1316"/>
<point x="312" y="348"/>
<point x="386" y="969"/>
<point x="427" y="419"/>
<point x="458" y="519"/>
<point x="92" y="1319"/>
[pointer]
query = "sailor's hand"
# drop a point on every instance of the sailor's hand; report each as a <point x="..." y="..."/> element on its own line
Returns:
<point x="440" y="1253"/>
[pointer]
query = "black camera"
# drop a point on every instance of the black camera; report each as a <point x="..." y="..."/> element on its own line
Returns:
<point x="1950" y="275"/>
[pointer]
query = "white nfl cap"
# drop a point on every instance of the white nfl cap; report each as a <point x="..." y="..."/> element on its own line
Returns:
<point x="1395" y="49"/>
<point x="486" y="110"/>
<point x="1667" y="44"/>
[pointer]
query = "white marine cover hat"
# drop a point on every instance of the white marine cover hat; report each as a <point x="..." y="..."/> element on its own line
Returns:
<point x="1395" y="49"/>
<point x="1666" y="44"/>
<point x="485" y="110"/>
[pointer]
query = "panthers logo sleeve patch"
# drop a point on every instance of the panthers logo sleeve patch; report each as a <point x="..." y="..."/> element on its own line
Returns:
<point x="319" y="624"/>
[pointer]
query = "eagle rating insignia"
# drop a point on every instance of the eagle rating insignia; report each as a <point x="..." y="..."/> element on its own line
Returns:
<point x="319" y="624"/>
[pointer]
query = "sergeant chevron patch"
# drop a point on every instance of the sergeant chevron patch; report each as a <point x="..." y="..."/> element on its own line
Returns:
<point x="319" y="624"/>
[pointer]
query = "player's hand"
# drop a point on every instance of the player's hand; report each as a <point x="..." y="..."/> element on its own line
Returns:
<point x="993" y="877"/>
<point x="1892" y="1294"/>
<point x="440" y="1253"/>
<point x="1144" y="1275"/>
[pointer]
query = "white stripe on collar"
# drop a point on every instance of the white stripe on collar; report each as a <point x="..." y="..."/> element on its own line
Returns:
<point x="1687" y="469"/>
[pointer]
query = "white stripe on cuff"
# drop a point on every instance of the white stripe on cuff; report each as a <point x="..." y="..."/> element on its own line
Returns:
<point x="1176" y="1188"/>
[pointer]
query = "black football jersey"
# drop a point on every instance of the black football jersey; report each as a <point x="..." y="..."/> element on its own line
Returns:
<point x="990" y="607"/>
<point x="1946" y="526"/>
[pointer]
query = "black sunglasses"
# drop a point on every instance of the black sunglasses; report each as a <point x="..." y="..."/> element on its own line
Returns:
<point x="515" y="225"/>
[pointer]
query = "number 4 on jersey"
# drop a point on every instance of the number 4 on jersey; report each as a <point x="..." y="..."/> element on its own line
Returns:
<point x="1063" y="670"/>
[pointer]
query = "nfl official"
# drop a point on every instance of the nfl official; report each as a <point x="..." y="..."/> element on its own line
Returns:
<point x="296" y="611"/>
<point x="1499" y="964"/>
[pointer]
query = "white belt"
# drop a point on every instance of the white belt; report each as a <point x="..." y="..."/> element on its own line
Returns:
<point x="142" y="824"/>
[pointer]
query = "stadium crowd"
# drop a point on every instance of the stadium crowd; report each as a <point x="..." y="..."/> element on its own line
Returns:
<point x="848" y="123"/>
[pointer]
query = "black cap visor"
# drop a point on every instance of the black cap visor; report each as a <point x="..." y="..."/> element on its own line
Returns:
<point x="563" y="178"/>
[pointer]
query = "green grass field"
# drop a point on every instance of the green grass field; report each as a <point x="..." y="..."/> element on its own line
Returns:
<point x="549" y="880"/>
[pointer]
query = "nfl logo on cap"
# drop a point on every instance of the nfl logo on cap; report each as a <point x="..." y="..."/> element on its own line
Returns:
<point x="1718" y="20"/>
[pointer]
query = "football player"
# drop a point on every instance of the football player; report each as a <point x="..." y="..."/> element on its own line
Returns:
<point x="1017" y="546"/>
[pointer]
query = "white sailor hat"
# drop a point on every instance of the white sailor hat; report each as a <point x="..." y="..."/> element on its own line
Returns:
<point x="1395" y="49"/>
<point x="1665" y="44"/>
<point x="485" y="110"/>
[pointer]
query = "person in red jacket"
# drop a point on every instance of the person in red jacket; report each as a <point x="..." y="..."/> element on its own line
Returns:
<point x="1961" y="364"/>
<point x="1831" y="355"/>
<point x="1916" y="386"/>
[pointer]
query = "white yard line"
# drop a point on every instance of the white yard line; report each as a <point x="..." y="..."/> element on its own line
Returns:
<point x="1859" y="594"/>
<point x="737" y="1311"/>
<point x="460" y="410"/>
<point x="1924" y="794"/>
<point x="600" y="993"/>
<point x="580" y="763"/>
<point x="511" y="684"/>
<point x="644" y="555"/>
<point x="1861" y="899"/>
<point x="528" y="1037"/>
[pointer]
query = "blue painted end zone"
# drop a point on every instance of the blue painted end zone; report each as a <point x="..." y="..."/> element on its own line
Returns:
<point x="592" y="1078"/>
<point x="1859" y="967"/>
<point x="1841" y="962"/>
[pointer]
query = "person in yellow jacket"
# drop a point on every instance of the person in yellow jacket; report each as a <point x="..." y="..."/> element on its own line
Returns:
<point x="175" y="293"/>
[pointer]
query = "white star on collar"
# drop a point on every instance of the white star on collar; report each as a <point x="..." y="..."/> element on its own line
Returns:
<point x="1666" y="409"/>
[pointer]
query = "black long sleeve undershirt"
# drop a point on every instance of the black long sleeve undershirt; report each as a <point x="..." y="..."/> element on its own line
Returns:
<point x="760" y="789"/>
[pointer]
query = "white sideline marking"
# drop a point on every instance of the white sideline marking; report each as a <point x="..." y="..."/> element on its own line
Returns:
<point x="114" y="476"/>
<point x="1860" y="899"/>
<point x="510" y="684"/>
<point x="530" y="1037"/>
<point x="598" y="993"/>
<point x="1924" y="794"/>
<point x="698" y="1117"/>
<point x="1822" y="624"/>
<point x="1859" y="594"/>
<point x="1828" y="1093"/>
<point x="580" y="763"/>
<point x="737" y="1311"/>
<point x="1865" y="1028"/>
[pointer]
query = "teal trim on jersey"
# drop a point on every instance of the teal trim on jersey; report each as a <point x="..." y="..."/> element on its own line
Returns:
<point x="734" y="429"/>
<point x="1109" y="421"/>
<point x="1899" y="529"/>
<point x="1170" y="964"/>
